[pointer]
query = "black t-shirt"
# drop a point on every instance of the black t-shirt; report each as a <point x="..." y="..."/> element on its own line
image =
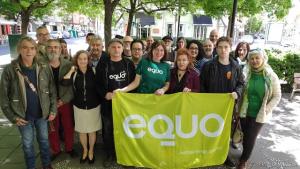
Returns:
<point x="225" y="74"/>
<point x="117" y="75"/>
<point x="56" y="78"/>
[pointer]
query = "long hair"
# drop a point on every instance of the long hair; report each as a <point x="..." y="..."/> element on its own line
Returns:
<point x="201" y="52"/>
<point x="236" y="54"/>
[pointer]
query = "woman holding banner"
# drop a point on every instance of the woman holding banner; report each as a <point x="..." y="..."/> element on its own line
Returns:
<point x="183" y="77"/>
<point x="262" y="94"/>
<point x="152" y="74"/>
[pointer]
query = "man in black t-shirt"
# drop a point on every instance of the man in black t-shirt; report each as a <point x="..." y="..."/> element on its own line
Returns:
<point x="222" y="75"/>
<point x="112" y="73"/>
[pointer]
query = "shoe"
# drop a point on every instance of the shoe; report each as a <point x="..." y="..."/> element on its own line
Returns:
<point x="242" y="165"/>
<point x="229" y="163"/>
<point x="108" y="162"/>
<point x="72" y="153"/>
<point x="83" y="160"/>
<point x="54" y="156"/>
<point x="91" y="161"/>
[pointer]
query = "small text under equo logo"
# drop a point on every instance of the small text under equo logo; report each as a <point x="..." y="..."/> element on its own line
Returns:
<point x="121" y="75"/>
<point x="155" y="71"/>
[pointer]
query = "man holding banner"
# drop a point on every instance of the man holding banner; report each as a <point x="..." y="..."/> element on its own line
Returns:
<point x="222" y="75"/>
<point x="112" y="73"/>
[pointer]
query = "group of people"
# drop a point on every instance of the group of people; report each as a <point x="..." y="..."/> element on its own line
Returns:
<point x="44" y="84"/>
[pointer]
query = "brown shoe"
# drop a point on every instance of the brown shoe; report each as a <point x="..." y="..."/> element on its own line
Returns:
<point x="242" y="165"/>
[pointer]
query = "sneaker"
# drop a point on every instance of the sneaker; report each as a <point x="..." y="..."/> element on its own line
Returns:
<point x="229" y="163"/>
<point x="54" y="156"/>
<point x="72" y="153"/>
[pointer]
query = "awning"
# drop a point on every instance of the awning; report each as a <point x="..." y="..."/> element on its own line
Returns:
<point x="145" y="19"/>
<point x="7" y="22"/>
<point x="202" y="20"/>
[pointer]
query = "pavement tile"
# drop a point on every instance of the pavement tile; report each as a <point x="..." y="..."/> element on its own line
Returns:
<point x="5" y="130"/>
<point x="13" y="166"/>
<point x="10" y="141"/>
<point x="4" y="152"/>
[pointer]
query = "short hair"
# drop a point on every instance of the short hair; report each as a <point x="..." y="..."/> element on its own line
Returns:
<point x="61" y="40"/>
<point x="75" y="58"/>
<point x="89" y="34"/>
<point x="155" y="45"/>
<point x="41" y="27"/>
<point x="236" y="54"/>
<point x="137" y="41"/>
<point x="52" y="40"/>
<point x="96" y="38"/>
<point x="224" y="39"/>
<point x="28" y="39"/>
<point x="184" y="51"/>
<point x="115" y="40"/>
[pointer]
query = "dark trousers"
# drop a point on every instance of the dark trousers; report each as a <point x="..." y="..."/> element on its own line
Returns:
<point x="107" y="128"/>
<point x="251" y="130"/>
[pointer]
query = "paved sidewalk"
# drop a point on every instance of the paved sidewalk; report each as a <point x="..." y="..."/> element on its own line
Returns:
<point x="278" y="146"/>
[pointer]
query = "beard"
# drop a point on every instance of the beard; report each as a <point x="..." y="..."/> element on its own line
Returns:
<point x="51" y="56"/>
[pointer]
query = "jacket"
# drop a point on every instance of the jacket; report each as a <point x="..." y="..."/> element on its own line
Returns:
<point x="13" y="91"/>
<point x="191" y="80"/>
<point x="271" y="98"/>
<point x="65" y="93"/>
<point x="209" y="76"/>
<point x="84" y="87"/>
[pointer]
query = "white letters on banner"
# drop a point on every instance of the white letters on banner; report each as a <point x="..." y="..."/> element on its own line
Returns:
<point x="169" y="133"/>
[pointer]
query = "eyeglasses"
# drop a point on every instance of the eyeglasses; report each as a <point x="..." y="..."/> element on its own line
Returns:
<point x="137" y="49"/>
<point x="193" y="48"/>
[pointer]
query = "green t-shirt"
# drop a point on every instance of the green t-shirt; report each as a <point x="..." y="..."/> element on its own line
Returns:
<point x="153" y="75"/>
<point x="256" y="93"/>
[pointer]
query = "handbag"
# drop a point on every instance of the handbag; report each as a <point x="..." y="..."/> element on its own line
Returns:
<point x="237" y="134"/>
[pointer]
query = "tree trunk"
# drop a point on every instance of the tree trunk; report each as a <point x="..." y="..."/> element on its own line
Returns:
<point x="107" y="24"/>
<point x="24" y="22"/>
<point x="109" y="7"/>
<point x="129" y="24"/>
<point x="229" y="27"/>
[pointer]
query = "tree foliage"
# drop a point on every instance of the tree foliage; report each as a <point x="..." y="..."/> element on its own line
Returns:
<point x="254" y="24"/>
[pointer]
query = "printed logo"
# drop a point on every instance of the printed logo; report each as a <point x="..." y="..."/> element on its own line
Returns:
<point x="155" y="71"/>
<point x="117" y="77"/>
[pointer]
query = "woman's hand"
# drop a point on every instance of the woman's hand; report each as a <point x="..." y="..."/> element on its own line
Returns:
<point x="186" y="90"/>
<point x="159" y="92"/>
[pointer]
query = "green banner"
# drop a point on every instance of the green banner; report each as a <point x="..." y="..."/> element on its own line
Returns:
<point x="182" y="130"/>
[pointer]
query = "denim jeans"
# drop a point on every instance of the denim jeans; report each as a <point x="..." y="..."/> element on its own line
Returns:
<point x="38" y="127"/>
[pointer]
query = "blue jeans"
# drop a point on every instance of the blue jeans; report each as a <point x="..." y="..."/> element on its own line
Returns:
<point x="40" y="128"/>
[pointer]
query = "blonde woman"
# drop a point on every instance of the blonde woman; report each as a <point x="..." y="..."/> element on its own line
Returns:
<point x="262" y="94"/>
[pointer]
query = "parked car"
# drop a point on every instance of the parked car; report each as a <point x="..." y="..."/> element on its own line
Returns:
<point x="32" y="35"/>
<point x="56" y="34"/>
<point x="81" y="34"/>
<point x="66" y="35"/>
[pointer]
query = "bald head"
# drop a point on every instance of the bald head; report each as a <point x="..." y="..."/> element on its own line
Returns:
<point x="214" y="36"/>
